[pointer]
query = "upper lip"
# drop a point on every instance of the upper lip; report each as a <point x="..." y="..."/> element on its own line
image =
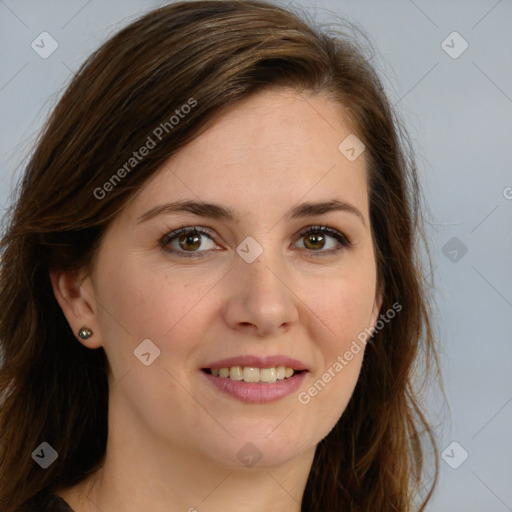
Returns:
<point x="258" y="362"/>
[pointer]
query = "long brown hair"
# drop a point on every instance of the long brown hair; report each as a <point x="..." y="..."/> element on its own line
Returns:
<point x="213" y="53"/>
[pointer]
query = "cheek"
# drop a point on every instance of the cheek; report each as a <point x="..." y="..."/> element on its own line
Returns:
<point x="137" y="302"/>
<point x="345" y="307"/>
<point x="326" y="394"/>
<point x="146" y="302"/>
<point x="149" y="304"/>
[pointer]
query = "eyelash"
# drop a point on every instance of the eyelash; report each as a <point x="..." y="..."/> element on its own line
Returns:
<point x="344" y="241"/>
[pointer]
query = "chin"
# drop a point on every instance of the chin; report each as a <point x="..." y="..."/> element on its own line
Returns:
<point x="262" y="447"/>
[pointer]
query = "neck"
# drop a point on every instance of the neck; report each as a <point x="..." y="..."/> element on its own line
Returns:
<point x="141" y="472"/>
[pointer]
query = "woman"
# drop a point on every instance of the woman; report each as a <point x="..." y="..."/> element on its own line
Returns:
<point x="218" y="223"/>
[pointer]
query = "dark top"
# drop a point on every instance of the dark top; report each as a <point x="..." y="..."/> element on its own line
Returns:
<point x="56" y="504"/>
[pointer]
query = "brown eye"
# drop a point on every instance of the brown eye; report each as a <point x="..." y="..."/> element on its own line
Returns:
<point x="185" y="242"/>
<point x="189" y="241"/>
<point x="317" y="237"/>
<point x="314" y="241"/>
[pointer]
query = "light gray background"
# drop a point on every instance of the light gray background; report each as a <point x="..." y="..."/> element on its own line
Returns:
<point x="459" y="114"/>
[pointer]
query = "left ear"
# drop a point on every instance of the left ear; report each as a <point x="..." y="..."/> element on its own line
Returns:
<point x="75" y="295"/>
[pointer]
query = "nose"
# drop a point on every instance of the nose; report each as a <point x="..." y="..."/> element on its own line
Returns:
<point x="261" y="300"/>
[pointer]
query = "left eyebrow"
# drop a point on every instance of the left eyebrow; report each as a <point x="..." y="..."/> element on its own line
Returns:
<point x="215" y="211"/>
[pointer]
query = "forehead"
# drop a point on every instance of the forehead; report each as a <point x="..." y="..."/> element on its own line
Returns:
<point x="275" y="148"/>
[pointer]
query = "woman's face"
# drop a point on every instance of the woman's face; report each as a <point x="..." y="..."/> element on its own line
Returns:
<point x="248" y="291"/>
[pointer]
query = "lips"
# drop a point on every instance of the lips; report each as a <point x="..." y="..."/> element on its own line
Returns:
<point x="257" y="362"/>
<point x="252" y="379"/>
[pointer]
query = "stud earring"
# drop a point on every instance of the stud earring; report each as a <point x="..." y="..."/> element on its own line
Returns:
<point x="85" y="333"/>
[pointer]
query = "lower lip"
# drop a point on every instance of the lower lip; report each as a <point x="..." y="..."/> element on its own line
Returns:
<point x="257" y="392"/>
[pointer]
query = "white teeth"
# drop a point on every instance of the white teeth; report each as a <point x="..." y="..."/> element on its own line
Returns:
<point x="268" y="375"/>
<point x="235" y="373"/>
<point x="252" y="374"/>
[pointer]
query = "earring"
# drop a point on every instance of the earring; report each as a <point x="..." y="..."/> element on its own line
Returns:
<point x="85" y="333"/>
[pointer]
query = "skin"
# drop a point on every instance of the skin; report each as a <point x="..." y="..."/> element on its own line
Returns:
<point x="173" y="437"/>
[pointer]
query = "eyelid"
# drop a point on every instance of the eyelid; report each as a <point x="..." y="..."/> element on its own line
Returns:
<point x="343" y="240"/>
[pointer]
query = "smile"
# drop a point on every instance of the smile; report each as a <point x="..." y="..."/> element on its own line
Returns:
<point x="253" y="374"/>
<point x="255" y="380"/>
